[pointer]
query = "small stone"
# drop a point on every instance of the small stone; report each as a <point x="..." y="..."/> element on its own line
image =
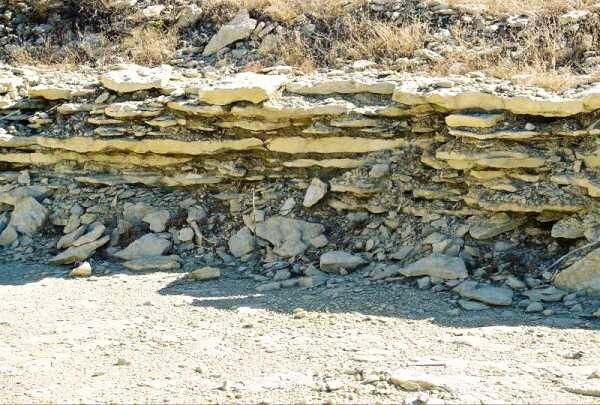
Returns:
<point x="8" y="236"/>
<point x="83" y="270"/>
<point x="334" y="262"/>
<point x="410" y="380"/>
<point x="205" y="273"/>
<point x="185" y="234"/>
<point x="315" y="192"/>
<point x="548" y="312"/>
<point x="424" y="283"/>
<point x="122" y="362"/>
<point x="515" y="283"/>
<point x="534" y="307"/>
<point x="453" y="312"/>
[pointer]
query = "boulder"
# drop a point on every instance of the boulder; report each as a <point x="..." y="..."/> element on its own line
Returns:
<point x="78" y="253"/>
<point x="239" y="28"/>
<point x="156" y="263"/>
<point x="485" y="293"/>
<point x="147" y="246"/>
<point x="28" y="216"/>
<point x="315" y="192"/>
<point x="438" y="266"/>
<point x="583" y="275"/>
<point x="241" y="243"/>
<point x="290" y="237"/>
<point x="335" y="261"/>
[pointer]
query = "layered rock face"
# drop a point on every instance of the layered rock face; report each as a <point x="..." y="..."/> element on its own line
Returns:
<point x="451" y="166"/>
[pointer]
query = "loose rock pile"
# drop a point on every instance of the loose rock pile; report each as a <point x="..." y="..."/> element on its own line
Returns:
<point x="460" y="182"/>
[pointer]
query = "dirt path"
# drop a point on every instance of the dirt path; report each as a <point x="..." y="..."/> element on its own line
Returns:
<point x="155" y="338"/>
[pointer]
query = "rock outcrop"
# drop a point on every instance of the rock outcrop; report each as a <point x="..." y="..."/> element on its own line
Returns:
<point x="481" y="159"/>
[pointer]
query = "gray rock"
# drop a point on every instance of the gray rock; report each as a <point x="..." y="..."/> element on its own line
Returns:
<point x="290" y="237"/>
<point x="583" y="275"/>
<point x="157" y="220"/>
<point x="133" y="213"/>
<point x="548" y="294"/>
<point x="241" y="243"/>
<point x="95" y="232"/>
<point x="485" y="293"/>
<point x="239" y="28"/>
<point x="185" y="234"/>
<point x="8" y="236"/>
<point x="156" y="263"/>
<point x="78" y="253"/>
<point x="469" y="305"/>
<point x="413" y="380"/>
<point x="315" y="192"/>
<point x="205" y="273"/>
<point x="534" y="307"/>
<point x="437" y="265"/>
<point x="28" y="216"/>
<point x="334" y="262"/>
<point x="146" y="246"/>
<point x="13" y="196"/>
<point x="67" y="240"/>
<point x="487" y="228"/>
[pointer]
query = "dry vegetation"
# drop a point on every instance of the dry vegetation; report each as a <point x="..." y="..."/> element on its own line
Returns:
<point x="541" y="53"/>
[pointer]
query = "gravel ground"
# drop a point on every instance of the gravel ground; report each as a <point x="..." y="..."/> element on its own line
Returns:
<point x="131" y="338"/>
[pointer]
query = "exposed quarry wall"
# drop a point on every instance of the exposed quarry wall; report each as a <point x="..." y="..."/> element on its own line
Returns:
<point x="442" y="167"/>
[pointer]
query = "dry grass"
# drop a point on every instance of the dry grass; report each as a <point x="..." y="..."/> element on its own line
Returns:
<point x="150" y="46"/>
<point x="526" y="7"/>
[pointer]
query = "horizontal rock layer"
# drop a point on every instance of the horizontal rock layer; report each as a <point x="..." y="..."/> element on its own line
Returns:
<point x="463" y="146"/>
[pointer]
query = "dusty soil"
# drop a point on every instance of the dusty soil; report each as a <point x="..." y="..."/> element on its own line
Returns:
<point x="122" y="337"/>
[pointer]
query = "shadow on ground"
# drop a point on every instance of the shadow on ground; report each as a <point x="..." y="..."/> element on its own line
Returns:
<point x="398" y="299"/>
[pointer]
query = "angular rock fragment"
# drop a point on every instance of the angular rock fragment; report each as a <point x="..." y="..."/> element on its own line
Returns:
<point x="487" y="228"/>
<point x="205" y="273"/>
<point x="315" y="192"/>
<point x="95" y="231"/>
<point x="146" y="246"/>
<point x="78" y="253"/>
<point x="28" y="216"/>
<point x="157" y="220"/>
<point x="245" y="86"/>
<point x="154" y="263"/>
<point x="240" y="27"/>
<point x="241" y="243"/>
<point x="336" y="261"/>
<point x="485" y="293"/>
<point x="290" y="237"/>
<point x="129" y="78"/>
<point x="438" y="266"/>
<point x="583" y="275"/>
